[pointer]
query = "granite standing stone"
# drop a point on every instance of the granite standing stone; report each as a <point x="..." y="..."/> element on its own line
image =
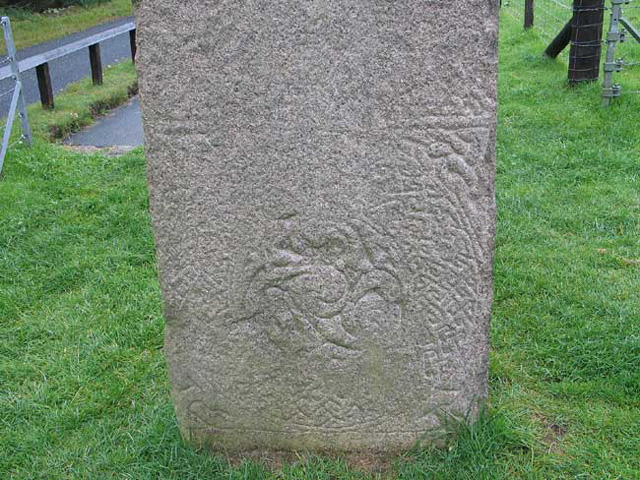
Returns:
<point x="322" y="191"/>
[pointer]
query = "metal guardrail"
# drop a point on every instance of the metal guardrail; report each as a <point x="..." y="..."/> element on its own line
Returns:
<point x="41" y="61"/>
<point x="36" y="60"/>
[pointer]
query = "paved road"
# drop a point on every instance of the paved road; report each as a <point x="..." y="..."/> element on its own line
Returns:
<point x="71" y="68"/>
<point x="123" y="126"/>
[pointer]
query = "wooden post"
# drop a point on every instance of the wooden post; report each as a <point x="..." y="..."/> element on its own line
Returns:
<point x="132" y="42"/>
<point x="528" y="13"/>
<point x="560" y="42"/>
<point x="586" y="41"/>
<point x="44" y="86"/>
<point x="96" y="63"/>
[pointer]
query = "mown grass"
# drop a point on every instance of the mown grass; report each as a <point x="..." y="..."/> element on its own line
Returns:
<point x="33" y="28"/>
<point x="84" y="390"/>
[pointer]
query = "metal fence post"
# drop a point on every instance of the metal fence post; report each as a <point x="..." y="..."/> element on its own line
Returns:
<point x="609" y="90"/>
<point x="21" y="104"/>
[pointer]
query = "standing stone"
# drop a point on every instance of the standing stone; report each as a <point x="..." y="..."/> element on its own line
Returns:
<point x="322" y="192"/>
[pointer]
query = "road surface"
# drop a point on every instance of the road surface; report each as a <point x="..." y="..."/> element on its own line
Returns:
<point x="121" y="127"/>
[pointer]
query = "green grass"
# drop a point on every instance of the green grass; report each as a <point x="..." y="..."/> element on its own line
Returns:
<point x="84" y="391"/>
<point x="33" y="28"/>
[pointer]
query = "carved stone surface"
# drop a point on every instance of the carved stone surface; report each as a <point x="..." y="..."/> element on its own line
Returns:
<point x="322" y="190"/>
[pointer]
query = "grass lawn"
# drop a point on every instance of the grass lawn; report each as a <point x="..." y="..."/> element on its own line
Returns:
<point x="30" y="29"/>
<point x="84" y="390"/>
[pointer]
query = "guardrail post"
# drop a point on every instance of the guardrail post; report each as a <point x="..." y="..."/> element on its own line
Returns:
<point x="44" y="86"/>
<point x="96" y="63"/>
<point x="132" y="42"/>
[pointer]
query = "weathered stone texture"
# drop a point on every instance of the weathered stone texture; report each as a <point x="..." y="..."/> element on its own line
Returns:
<point x="322" y="189"/>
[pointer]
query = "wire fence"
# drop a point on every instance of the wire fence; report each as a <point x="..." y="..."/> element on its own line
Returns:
<point x="613" y="53"/>
<point x="549" y="16"/>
